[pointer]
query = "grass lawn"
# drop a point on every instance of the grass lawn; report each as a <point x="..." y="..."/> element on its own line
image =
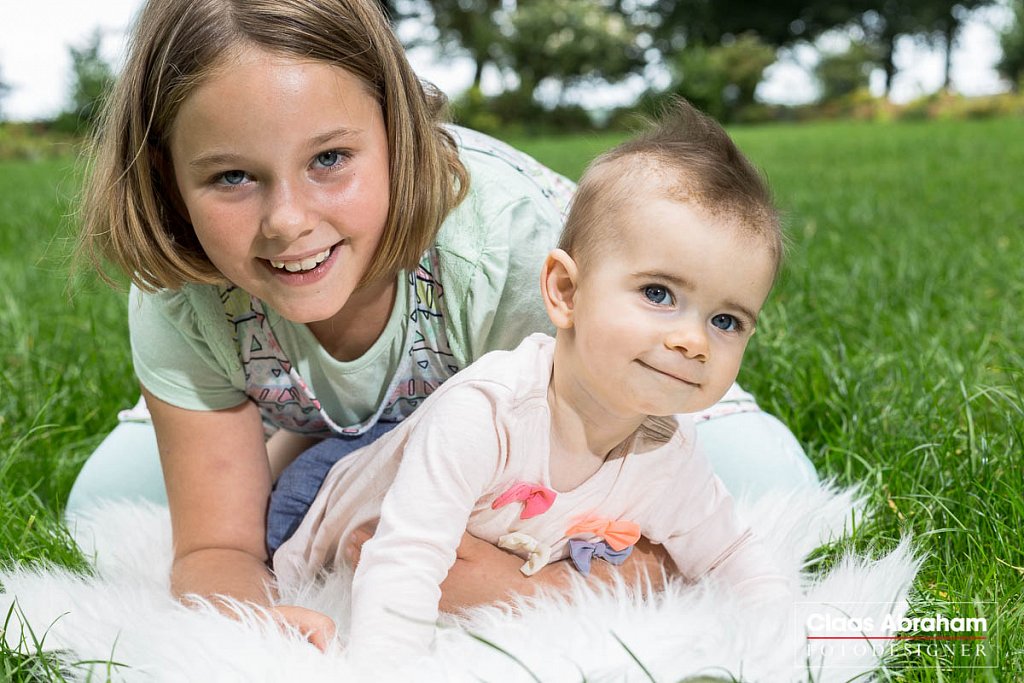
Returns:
<point x="893" y="347"/>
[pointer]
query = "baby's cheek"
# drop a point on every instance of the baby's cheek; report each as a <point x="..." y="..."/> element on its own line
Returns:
<point x="730" y="368"/>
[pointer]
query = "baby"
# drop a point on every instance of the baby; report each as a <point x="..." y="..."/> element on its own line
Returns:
<point x="576" y="446"/>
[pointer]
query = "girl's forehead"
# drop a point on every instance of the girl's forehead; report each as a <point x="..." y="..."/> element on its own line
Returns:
<point x="264" y="100"/>
<point x="257" y="74"/>
<point x="246" y="54"/>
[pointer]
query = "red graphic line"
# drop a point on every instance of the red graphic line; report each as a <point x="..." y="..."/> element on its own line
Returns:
<point x="897" y="637"/>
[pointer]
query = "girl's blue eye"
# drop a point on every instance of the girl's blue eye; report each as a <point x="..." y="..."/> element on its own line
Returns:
<point x="328" y="159"/>
<point x="233" y="177"/>
<point x="726" y="322"/>
<point x="657" y="294"/>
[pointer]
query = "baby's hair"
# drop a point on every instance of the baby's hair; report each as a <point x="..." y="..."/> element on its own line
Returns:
<point x="131" y="211"/>
<point x="685" y="156"/>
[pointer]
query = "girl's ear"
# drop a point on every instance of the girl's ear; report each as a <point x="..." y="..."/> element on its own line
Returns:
<point x="558" y="287"/>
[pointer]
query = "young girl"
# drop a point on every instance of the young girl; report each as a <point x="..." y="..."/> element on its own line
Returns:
<point x="309" y="250"/>
<point x="573" y="446"/>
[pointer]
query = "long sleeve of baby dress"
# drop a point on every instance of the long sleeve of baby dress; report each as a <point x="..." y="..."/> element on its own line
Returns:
<point x="458" y="447"/>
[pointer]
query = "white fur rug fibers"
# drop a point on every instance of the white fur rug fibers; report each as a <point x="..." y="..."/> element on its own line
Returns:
<point x="124" y="614"/>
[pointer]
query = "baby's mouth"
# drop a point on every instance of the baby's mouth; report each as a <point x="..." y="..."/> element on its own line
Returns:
<point x="670" y="374"/>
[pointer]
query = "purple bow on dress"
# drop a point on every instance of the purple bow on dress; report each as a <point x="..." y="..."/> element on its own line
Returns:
<point x="582" y="552"/>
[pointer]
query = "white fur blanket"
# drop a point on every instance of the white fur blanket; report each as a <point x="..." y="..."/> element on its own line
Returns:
<point x="124" y="614"/>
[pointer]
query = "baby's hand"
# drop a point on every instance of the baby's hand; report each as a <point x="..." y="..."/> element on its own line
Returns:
<point x="317" y="628"/>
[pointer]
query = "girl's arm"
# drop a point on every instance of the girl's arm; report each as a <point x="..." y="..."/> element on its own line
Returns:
<point x="218" y="480"/>
<point x="484" y="573"/>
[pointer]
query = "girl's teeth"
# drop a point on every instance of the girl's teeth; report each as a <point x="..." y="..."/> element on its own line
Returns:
<point x="305" y="264"/>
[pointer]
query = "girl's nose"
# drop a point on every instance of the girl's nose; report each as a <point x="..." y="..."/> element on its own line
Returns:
<point x="288" y="214"/>
<point x="690" y="338"/>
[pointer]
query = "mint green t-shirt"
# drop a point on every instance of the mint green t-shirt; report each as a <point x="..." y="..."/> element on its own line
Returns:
<point x="490" y="250"/>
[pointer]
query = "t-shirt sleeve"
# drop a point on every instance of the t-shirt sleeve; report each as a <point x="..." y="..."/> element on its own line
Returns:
<point x="504" y="305"/>
<point x="493" y="247"/>
<point x="176" y="351"/>
<point x="451" y="457"/>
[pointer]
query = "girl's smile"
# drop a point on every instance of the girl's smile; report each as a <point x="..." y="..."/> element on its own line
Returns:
<point x="302" y="270"/>
<point x="282" y="168"/>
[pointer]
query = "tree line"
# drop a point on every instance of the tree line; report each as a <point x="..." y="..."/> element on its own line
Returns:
<point x="714" y="52"/>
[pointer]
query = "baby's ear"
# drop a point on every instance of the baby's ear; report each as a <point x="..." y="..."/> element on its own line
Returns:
<point x="558" y="287"/>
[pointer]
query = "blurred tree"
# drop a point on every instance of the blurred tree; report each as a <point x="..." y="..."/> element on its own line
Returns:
<point x="937" y="22"/>
<point x="843" y="73"/>
<point x="882" y="26"/>
<point x="721" y="79"/>
<point x="718" y="49"/>
<point x="941" y="24"/>
<point x="568" y="41"/>
<point x="466" y="25"/>
<point x="5" y="90"/>
<point x="1011" y="64"/>
<point x="92" y="78"/>
<point x="678" y="23"/>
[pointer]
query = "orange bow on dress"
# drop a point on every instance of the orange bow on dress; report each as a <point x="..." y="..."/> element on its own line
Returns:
<point x="618" y="534"/>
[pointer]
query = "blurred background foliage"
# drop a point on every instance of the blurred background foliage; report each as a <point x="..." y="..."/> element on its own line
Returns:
<point x="714" y="52"/>
<point x="549" y="54"/>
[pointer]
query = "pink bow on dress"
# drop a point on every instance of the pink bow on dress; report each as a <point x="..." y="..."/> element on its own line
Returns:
<point x="535" y="499"/>
<point x="618" y="534"/>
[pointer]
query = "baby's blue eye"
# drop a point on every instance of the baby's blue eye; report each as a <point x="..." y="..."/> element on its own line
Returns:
<point x="233" y="177"/>
<point x="328" y="159"/>
<point x="726" y="322"/>
<point x="657" y="294"/>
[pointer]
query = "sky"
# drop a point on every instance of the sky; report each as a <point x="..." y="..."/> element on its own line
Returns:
<point x="35" y="36"/>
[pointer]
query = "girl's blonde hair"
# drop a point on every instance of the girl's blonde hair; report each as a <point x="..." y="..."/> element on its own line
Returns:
<point x="130" y="209"/>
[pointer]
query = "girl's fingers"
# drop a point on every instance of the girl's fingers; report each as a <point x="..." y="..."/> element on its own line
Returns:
<point x="316" y="627"/>
<point x="321" y="635"/>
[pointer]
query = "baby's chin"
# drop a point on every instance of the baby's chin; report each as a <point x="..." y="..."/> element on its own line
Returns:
<point x="693" y="406"/>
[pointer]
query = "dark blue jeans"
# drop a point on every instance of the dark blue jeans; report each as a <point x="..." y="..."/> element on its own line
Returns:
<point x="299" y="483"/>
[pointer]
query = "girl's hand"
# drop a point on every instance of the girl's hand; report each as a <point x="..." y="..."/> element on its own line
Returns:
<point x="317" y="628"/>
<point x="484" y="573"/>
